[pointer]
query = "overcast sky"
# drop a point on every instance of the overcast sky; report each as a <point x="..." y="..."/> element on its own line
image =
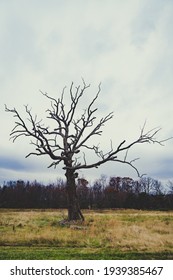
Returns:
<point x="127" y="45"/>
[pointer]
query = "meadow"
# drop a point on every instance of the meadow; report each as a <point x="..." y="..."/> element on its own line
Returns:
<point x="105" y="234"/>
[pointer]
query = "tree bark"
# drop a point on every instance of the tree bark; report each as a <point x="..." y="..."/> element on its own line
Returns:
<point x="74" y="212"/>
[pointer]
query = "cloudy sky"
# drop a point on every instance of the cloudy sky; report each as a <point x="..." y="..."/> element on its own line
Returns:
<point x="127" y="45"/>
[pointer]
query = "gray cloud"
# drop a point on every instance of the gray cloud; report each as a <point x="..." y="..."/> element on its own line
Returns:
<point x="164" y="169"/>
<point x="146" y="21"/>
<point x="127" y="45"/>
<point x="7" y="162"/>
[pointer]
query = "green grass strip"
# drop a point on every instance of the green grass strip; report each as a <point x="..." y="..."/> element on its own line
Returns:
<point x="56" y="253"/>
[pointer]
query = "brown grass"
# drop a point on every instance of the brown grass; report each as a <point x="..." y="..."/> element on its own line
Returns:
<point x="125" y="230"/>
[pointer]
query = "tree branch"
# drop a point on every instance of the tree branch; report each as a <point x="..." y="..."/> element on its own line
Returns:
<point x="71" y="134"/>
<point x="42" y="144"/>
<point x="113" y="155"/>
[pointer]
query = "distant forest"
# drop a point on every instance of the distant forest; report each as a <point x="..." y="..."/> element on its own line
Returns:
<point x="104" y="193"/>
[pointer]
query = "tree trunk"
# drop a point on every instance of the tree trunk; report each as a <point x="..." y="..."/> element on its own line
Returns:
<point x="74" y="212"/>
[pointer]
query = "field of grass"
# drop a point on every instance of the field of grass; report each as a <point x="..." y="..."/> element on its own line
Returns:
<point x="107" y="234"/>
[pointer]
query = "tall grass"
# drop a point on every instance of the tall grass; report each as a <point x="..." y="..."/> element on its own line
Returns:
<point x="123" y="230"/>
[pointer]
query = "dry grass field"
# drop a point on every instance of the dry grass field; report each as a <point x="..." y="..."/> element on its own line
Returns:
<point x="129" y="233"/>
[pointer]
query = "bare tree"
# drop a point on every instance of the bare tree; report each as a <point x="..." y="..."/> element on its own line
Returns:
<point x="150" y="185"/>
<point x="70" y="136"/>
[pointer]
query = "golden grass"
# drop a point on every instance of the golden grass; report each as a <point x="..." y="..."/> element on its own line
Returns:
<point x="124" y="230"/>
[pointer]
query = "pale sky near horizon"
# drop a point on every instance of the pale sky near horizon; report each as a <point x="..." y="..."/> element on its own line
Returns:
<point x="127" y="45"/>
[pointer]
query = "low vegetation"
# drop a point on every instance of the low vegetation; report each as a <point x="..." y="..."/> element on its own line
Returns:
<point x="106" y="234"/>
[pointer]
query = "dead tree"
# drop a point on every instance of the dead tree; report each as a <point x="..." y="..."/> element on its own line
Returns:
<point x="70" y="137"/>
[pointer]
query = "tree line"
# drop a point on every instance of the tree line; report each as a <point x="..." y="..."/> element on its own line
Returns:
<point x="103" y="193"/>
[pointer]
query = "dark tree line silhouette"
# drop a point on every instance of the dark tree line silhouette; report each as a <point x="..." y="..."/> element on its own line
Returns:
<point x="113" y="192"/>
